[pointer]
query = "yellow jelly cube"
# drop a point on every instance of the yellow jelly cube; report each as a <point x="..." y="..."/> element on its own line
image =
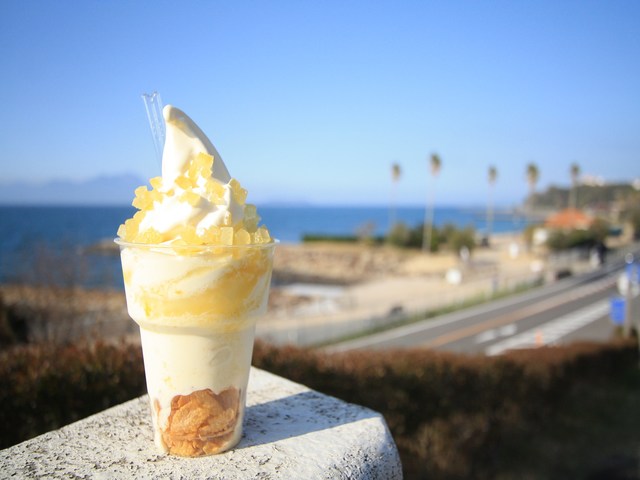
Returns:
<point x="251" y="225"/>
<point x="215" y="191"/>
<point x="142" y="200"/>
<point x="226" y="235"/>
<point x="155" y="196"/>
<point x="262" y="235"/>
<point x="183" y="182"/>
<point x="140" y="204"/>
<point x="211" y="235"/>
<point x="250" y="210"/>
<point x="239" y="193"/>
<point x="251" y="218"/>
<point x="200" y="166"/>
<point x="129" y="230"/>
<point x="141" y="191"/>
<point x="190" y="235"/>
<point x="156" y="182"/>
<point x="138" y="217"/>
<point x="190" y="197"/>
<point x="151" y="235"/>
<point x="205" y="162"/>
<point x="242" y="237"/>
<point x="122" y="231"/>
<point x="265" y="234"/>
<point x="193" y="172"/>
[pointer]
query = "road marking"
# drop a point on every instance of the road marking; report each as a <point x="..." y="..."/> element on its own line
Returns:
<point x="508" y="330"/>
<point x="493" y="333"/>
<point x="428" y="324"/>
<point x="515" y="316"/>
<point x="550" y="332"/>
<point x="486" y="336"/>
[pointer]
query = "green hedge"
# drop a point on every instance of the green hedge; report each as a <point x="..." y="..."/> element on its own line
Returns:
<point x="450" y="415"/>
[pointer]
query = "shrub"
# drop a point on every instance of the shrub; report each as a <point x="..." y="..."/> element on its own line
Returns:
<point x="560" y="240"/>
<point x="43" y="387"/>
<point x="399" y="235"/>
<point x="403" y="236"/>
<point x="450" y="415"/>
<point x="462" y="238"/>
<point x="595" y="234"/>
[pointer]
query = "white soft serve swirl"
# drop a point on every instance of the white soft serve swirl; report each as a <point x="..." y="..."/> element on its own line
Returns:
<point x="184" y="140"/>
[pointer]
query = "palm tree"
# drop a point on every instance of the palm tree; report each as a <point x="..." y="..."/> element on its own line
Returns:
<point x="435" y="164"/>
<point x="575" y="176"/>
<point x="533" y="175"/>
<point x="396" y="172"/>
<point x="493" y="176"/>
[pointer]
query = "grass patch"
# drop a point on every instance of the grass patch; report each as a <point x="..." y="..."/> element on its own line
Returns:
<point x="315" y="238"/>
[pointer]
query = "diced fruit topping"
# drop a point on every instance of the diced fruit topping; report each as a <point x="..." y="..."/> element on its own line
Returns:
<point x="226" y="235"/>
<point x="242" y="237"/>
<point x="215" y="191"/>
<point x="194" y="187"/>
<point x="191" y="197"/>
<point x="156" y="183"/>
<point x="251" y="218"/>
<point x="261" y="235"/>
<point x="239" y="193"/>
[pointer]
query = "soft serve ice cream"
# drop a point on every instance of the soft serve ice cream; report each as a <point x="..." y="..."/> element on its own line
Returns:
<point x="195" y="201"/>
<point x="197" y="269"/>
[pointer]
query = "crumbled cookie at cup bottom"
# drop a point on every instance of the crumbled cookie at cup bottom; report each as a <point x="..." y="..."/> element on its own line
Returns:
<point x="202" y="422"/>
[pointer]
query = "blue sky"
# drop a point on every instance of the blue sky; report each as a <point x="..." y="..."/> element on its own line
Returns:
<point x="313" y="101"/>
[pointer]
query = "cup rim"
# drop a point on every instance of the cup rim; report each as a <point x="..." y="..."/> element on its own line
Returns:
<point x="207" y="247"/>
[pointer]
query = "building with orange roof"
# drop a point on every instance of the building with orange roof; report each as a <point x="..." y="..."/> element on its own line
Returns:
<point x="569" y="219"/>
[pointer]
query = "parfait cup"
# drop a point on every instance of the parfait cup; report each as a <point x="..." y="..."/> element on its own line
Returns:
<point x="197" y="308"/>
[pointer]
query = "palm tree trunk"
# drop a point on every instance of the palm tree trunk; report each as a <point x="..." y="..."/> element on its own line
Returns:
<point x="490" y="216"/>
<point x="392" y="207"/>
<point x="427" y="231"/>
<point x="573" y="202"/>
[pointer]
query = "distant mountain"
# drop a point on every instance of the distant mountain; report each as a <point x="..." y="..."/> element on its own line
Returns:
<point x="102" y="190"/>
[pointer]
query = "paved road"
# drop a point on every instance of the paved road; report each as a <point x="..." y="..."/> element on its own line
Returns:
<point x="568" y="310"/>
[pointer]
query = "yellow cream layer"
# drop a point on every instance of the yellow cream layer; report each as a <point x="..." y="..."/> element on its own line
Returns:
<point x="207" y="290"/>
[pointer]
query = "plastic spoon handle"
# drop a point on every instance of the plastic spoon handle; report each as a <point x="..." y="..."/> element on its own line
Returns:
<point x="153" y="104"/>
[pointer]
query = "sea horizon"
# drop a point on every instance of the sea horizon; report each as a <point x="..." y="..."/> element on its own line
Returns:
<point x="44" y="233"/>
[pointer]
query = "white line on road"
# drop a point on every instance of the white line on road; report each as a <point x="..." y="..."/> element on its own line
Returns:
<point x="549" y="333"/>
<point x="493" y="333"/>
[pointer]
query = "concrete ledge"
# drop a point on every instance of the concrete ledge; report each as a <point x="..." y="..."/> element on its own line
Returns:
<point x="290" y="432"/>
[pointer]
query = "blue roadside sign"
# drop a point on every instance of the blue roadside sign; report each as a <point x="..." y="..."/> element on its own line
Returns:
<point x="617" y="310"/>
<point x="630" y="268"/>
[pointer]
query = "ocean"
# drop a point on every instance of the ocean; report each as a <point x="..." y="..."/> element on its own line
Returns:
<point x="51" y="244"/>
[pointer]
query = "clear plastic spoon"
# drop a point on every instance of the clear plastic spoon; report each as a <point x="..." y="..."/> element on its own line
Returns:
<point x="153" y="104"/>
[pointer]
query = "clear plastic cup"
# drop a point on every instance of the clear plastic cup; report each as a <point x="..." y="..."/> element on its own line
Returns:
<point x="197" y="308"/>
